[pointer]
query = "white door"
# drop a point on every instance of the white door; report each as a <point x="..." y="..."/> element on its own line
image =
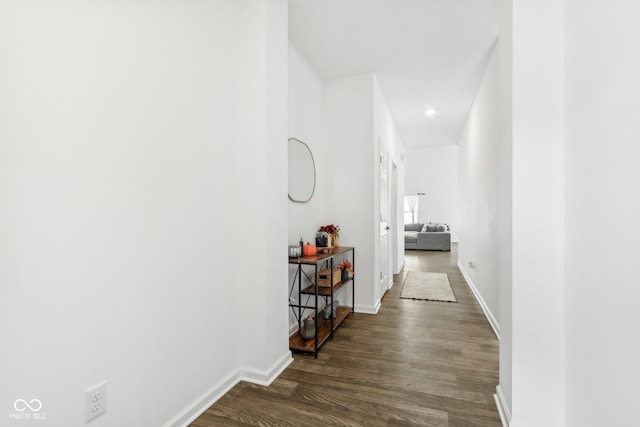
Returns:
<point x="384" y="223"/>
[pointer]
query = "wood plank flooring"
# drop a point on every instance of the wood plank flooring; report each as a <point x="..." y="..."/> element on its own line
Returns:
<point x="415" y="363"/>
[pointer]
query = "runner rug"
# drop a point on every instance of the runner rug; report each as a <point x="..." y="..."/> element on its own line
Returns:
<point x="427" y="286"/>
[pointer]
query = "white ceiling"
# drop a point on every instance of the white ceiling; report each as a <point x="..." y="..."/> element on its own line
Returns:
<point x="424" y="53"/>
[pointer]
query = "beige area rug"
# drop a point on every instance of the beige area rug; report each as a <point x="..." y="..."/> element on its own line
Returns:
<point x="427" y="286"/>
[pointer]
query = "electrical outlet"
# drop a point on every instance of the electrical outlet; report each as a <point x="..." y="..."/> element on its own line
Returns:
<point x="472" y="264"/>
<point x="95" y="401"/>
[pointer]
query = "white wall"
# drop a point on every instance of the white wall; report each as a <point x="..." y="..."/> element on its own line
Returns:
<point x="386" y="133"/>
<point x="505" y="203"/>
<point x="349" y="133"/>
<point x="122" y="127"/>
<point x="601" y="170"/>
<point x="434" y="171"/>
<point x="569" y="359"/>
<point x="342" y="121"/>
<point x="486" y="200"/>
<point x="479" y="162"/>
<point x="538" y="207"/>
<point x="399" y="177"/>
<point x="357" y="121"/>
<point x="306" y="122"/>
<point x="261" y="294"/>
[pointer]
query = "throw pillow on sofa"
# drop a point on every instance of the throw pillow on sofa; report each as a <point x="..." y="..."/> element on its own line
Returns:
<point x="413" y="227"/>
<point x="437" y="227"/>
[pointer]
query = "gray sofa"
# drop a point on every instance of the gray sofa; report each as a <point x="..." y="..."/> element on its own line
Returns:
<point x="427" y="237"/>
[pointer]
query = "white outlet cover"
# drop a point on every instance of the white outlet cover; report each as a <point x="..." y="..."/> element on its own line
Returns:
<point x="95" y="401"/>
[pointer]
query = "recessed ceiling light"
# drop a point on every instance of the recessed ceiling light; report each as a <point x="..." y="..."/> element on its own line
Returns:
<point x="430" y="112"/>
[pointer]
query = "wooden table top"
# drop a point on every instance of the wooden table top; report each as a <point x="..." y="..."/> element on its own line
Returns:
<point x="321" y="256"/>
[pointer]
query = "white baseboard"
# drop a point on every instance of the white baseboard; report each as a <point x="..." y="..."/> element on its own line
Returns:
<point x="503" y="407"/>
<point x="367" y="309"/>
<point x="211" y="396"/>
<point x="266" y="377"/>
<point x="483" y="305"/>
<point x="202" y="403"/>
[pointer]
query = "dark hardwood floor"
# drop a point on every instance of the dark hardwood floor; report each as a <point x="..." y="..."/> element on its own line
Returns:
<point x="415" y="363"/>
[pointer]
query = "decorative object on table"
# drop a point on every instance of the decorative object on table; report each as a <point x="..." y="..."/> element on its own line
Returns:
<point x="324" y="277"/>
<point x="345" y="268"/>
<point x="322" y="239"/>
<point x="308" y="330"/>
<point x="301" y="246"/>
<point x="309" y="249"/>
<point x="294" y="251"/>
<point x="333" y="231"/>
<point x="331" y="310"/>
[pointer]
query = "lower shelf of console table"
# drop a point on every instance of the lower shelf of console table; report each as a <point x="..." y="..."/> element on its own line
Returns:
<point x="297" y="343"/>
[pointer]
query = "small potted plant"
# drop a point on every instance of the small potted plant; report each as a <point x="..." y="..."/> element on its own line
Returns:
<point x="345" y="268"/>
<point x="333" y="231"/>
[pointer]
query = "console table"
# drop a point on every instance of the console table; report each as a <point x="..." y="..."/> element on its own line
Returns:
<point x="324" y="328"/>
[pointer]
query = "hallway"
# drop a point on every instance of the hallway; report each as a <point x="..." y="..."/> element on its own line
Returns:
<point x="415" y="363"/>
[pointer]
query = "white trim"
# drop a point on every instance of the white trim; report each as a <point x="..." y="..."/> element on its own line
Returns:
<point x="390" y="284"/>
<point x="211" y="396"/>
<point x="202" y="403"/>
<point x="367" y="309"/>
<point x="401" y="265"/>
<point x="266" y="377"/>
<point x="485" y="309"/>
<point x="503" y="407"/>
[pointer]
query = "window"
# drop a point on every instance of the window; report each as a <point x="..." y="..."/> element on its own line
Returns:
<point x="410" y="209"/>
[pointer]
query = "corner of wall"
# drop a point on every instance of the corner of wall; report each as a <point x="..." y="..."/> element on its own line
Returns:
<point x="203" y="402"/>
<point x="368" y="309"/>
<point x="248" y="374"/>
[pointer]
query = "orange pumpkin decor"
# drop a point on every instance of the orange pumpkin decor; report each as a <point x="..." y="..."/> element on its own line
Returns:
<point x="309" y="249"/>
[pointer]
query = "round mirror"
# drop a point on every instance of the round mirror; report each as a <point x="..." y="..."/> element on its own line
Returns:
<point x="302" y="172"/>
